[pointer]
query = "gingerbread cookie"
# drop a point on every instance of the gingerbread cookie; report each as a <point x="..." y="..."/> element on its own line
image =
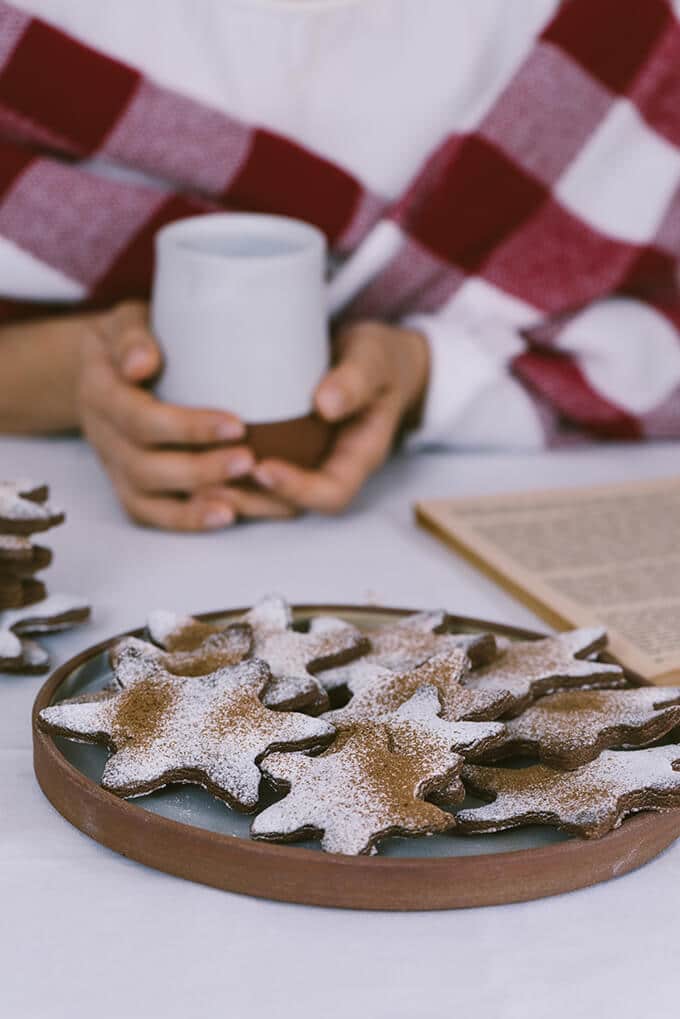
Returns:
<point x="377" y="691"/>
<point x="361" y="790"/>
<point x="10" y="593"/>
<point x="174" y="632"/>
<point x="20" y="654"/>
<point x="420" y="718"/>
<point x="292" y="656"/>
<point x="409" y="642"/>
<point x="572" y="727"/>
<point x="589" y="801"/>
<point x="18" y="591"/>
<point x="389" y="698"/>
<point x="531" y="668"/>
<point x="10" y="646"/>
<point x="480" y="648"/>
<point x="209" y="731"/>
<point x="55" y="613"/>
<point x="218" y="649"/>
<point x="24" y="508"/>
<point x="14" y="548"/>
<point x="20" y="558"/>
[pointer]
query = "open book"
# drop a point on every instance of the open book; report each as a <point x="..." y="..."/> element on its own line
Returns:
<point x="607" y="554"/>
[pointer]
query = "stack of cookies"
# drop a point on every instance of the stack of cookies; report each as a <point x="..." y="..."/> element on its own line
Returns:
<point x="25" y="608"/>
<point x="383" y="733"/>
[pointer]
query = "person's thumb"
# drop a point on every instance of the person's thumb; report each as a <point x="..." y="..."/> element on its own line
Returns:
<point x="356" y="380"/>
<point x="132" y="348"/>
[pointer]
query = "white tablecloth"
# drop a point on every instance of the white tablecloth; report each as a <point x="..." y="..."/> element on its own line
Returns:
<point x="85" y="932"/>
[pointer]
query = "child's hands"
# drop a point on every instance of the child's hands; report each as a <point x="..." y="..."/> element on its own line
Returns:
<point x="380" y="376"/>
<point x="136" y="435"/>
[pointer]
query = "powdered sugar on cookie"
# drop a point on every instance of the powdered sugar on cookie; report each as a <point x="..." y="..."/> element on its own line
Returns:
<point x="418" y="721"/>
<point x="24" y="509"/>
<point x="218" y="649"/>
<point x="30" y="657"/>
<point x="530" y="669"/>
<point x="356" y="793"/>
<point x="14" y="545"/>
<point x="10" y="645"/>
<point x="209" y="731"/>
<point x="24" y="605"/>
<point x="54" y="613"/>
<point x="377" y="691"/>
<point x="589" y="801"/>
<point x="569" y="728"/>
<point x="292" y="656"/>
<point x="409" y="642"/>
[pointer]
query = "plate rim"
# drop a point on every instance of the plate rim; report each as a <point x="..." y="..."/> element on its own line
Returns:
<point x="286" y="872"/>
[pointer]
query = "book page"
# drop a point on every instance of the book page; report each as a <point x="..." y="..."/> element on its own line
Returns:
<point x="609" y="555"/>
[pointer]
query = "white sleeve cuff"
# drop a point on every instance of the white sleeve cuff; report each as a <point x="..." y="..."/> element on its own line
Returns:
<point x="462" y="368"/>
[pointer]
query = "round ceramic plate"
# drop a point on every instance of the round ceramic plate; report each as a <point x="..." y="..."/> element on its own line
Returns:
<point x="183" y="830"/>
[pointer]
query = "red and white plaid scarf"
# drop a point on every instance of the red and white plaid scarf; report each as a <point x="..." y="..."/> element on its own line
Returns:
<point x="503" y="204"/>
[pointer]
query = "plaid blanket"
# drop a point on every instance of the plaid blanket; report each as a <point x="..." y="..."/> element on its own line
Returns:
<point x="544" y="241"/>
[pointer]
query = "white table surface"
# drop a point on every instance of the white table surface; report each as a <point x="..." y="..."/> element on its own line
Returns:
<point x="84" y="931"/>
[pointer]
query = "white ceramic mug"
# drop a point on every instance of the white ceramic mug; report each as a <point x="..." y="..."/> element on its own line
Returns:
<point x="239" y="309"/>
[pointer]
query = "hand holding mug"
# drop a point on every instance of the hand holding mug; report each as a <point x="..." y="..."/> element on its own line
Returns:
<point x="167" y="463"/>
<point x="379" y="375"/>
<point x="379" y="379"/>
<point x="239" y="307"/>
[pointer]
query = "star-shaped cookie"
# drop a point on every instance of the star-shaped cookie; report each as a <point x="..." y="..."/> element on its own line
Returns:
<point x="16" y="592"/>
<point x="377" y="691"/>
<point x="53" y="614"/>
<point x="531" y="668"/>
<point x="572" y="727"/>
<point x="358" y="792"/>
<point x="24" y="508"/>
<point x="293" y="657"/>
<point x="19" y="557"/>
<point x="409" y="642"/>
<point x="210" y="731"/>
<point x="20" y="654"/>
<point x="216" y="650"/>
<point x="419" y="718"/>
<point x="589" y="801"/>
